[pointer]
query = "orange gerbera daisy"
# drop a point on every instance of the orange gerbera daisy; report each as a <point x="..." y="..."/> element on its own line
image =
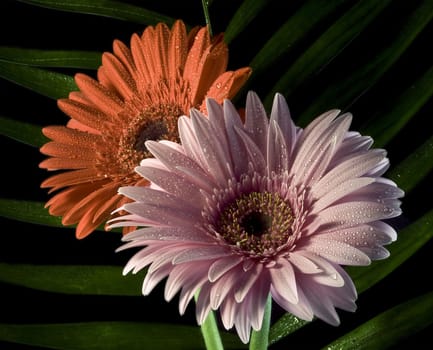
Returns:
<point x="139" y="94"/>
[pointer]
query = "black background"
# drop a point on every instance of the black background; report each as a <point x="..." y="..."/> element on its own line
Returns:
<point x="28" y="26"/>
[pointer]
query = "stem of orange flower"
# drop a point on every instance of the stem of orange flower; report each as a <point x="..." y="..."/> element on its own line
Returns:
<point x="260" y="339"/>
<point x="205" y="5"/>
<point x="210" y="332"/>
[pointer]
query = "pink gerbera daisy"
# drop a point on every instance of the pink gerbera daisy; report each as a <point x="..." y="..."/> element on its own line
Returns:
<point x="239" y="211"/>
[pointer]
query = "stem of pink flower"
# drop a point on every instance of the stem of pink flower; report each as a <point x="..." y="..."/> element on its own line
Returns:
<point x="260" y="339"/>
<point x="211" y="335"/>
<point x="210" y="332"/>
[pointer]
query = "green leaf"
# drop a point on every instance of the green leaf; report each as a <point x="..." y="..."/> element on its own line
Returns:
<point x="291" y="33"/>
<point x="285" y="325"/>
<point x="47" y="83"/>
<point x="28" y="211"/>
<point x="110" y="336"/>
<point x="51" y="58"/>
<point x="73" y="279"/>
<point x="106" y="8"/>
<point x="344" y="91"/>
<point x="414" y="167"/>
<point x="22" y="132"/>
<point x="409" y="240"/>
<point x="34" y="213"/>
<point x="329" y="45"/>
<point x="384" y="125"/>
<point x="246" y="12"/>
<point x="390" y="327"/>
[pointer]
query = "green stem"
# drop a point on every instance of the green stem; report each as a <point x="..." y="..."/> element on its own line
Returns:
<point x="205" y="4"/>
<point x="260" y="339"/>
<point x="210" y="333"/>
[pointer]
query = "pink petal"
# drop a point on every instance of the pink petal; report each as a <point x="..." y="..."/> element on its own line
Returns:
<point x="284" y="280"/>
<point x="257" y="298"/>
<point x="246" y="281"/>
<point x="237" y="150"/>
<point x="340" y="191"/>
<point x="190" y="287"/>
<point x="170" y="216"/>
<point x="172" y="183"/>
<point x="204" y="252"/>
<point x="356" y="213"/>
<point x="228" y="310"/>
<point x="170" y="234"/>
<point x="256" y="120"/>
<point x="152" y="279"/>
<point x="221" y="266"/>
<point x="213" y="152"/>
<point x="356" y="166"/>
<point x="189" y="141"/>
<point x="301" y="309"/>
<point x="315" y="153"/>
<point x="156" y="198"/>
<point x="320" y="303"/>
<point x="255" y="155"/>
<point x="337" y="252"/>
<point x="242" y="323"/>
<point x="221" y="288"/>
<point x="203" y="303"/>
<point x="281" y="115"/>
<point x="303" y="264"/>
<point x="277" y="155"/>
<point x="328" y="275"/>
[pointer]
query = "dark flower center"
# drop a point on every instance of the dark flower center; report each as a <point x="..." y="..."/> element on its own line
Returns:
<point x="157" y="122"/>
<point x="257" y="222"/>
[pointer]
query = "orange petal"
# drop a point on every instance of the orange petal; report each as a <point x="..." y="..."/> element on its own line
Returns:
<point x="69" y="178"/>
<point x="200" y="45"/>
<point x="177" y="48"/>
<point x="160" y="51"/>
<point x="213" y="64"/>
<point x="123" y="53"/>
<point x="138" y="54"/>
<point x="119" y="77"/>
<point x="227" y="85"/>
<point x="61" y="203"/>
<point x="62" y="150"/>
<point x="70" y="136"/>
<point x="102" y="98"/>
<point x="75" y="124"/>
<point x="83" y="113"/>
<point x="65" y="163"/>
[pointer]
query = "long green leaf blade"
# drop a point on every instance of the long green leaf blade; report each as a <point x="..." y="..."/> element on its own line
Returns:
<point x="73" y="279"/>
<point x="51" y="84"/>
<point x="333" y="41"/>
<point x="110" y="336"/>
<point x="286" y="324"/>
<point x="106" y="8"/>
<point x="415" y="167"/>
<point x="51" y="58"/>
<point x="291" y="33"/>
<point x="246" y="12"/>
<point x="390" y="327"/>
<point x="28" y="211"/>
<point x="344" y="91"/>
<point x="22" y="132"/>
<point x="386" y="124"/>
